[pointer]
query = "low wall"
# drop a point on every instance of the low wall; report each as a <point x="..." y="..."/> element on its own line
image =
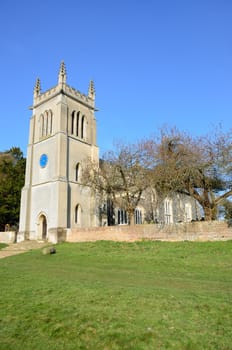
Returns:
<point x="195" y="231"/>
<point x="7" y="237"/>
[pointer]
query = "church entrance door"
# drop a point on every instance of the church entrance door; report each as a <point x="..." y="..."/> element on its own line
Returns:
<point x="43" y="227"/>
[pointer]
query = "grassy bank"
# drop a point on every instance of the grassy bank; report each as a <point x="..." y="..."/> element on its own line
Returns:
<point x="106" y="295"/>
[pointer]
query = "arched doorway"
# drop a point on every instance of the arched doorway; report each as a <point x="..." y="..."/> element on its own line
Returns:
<point x="43" y="227"/>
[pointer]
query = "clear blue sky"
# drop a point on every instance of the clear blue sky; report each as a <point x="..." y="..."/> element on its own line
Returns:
<point x="154" y="62"/>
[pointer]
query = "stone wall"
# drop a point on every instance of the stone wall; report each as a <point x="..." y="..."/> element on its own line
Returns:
<point x="194" y="231"/>
<point x="7" y="237"/>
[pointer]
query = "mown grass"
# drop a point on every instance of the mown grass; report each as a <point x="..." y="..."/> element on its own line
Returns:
<point x="3" y="245"/>
<point x="111" y="296"/>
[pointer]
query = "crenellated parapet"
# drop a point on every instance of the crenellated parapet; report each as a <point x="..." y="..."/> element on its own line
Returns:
<point x="62" y="87"/>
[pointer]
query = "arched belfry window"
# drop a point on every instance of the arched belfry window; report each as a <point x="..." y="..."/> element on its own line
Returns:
<point x="41" y="125"/>
<point x="49" y="126"/>
<point x="75" y="116"/>
<point x="77" y="214"/>
<point x="45" y="121"/>
<point x="45" y="132"/>
<point x="77" y="172"/>
<point x="77" y="123"/>
<point x="83" y="127"/>
<point x="72" y="122"/>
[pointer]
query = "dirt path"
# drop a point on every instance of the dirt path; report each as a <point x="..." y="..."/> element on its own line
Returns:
<point x="22" y="247"/>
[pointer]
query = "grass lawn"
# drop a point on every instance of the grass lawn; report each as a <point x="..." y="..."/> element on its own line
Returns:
<point x="3" y="245"/>
<point x="108" y="296"/>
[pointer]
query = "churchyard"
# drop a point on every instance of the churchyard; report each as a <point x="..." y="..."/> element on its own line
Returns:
<point x="115" y="295"/>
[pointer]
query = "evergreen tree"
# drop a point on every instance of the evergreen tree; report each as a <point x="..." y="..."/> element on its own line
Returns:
<point x="12" y="172"/>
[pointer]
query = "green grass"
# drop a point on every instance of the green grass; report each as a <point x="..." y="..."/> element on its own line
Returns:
<point x="108" y="296"/>
<point x="3" y="245"/>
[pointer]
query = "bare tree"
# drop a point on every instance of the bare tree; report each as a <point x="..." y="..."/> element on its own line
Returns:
<point x="121" y="176"/>
<point x="227" y="204"/>
<point x="199" y="167"/>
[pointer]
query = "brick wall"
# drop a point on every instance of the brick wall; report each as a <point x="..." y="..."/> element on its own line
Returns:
<point x="195" y="231"/>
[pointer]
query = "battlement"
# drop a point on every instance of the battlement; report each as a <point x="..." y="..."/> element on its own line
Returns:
<point x="67" y="90"/>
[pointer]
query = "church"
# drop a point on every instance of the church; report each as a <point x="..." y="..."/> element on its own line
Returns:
<point x="62" y="135"/>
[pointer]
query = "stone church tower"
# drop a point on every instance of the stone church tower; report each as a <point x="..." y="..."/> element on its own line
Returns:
<point x="62" y="134"/>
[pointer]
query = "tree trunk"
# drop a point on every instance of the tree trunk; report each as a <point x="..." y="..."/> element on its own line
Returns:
<point x="210" y="211"/>
<point x="208" y="204"/>
<point x="131" y="217"/>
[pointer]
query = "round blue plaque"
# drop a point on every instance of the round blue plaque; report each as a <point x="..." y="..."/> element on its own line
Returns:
<point x="43" y="160"/>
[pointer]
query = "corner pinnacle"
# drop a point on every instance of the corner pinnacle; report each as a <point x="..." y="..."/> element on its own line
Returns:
<point x="62" y="74"/>
<point x="37" y="88"/>
<point x="91" y="92"/>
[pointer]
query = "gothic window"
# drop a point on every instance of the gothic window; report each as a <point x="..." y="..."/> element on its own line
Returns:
<point x="168" y="211"/>
<point x="72" y="122"/>
<point x="77" y="172"/>
<point x="138" y="216"/>
<point x="49" y="126"/>
<point x="45" y="124"/>
<point x="45" y="132"/>
<point x="77" y="214"/>
<point x="122" y="217"/>
<point x="75" y="123"/>
<point x="41" y="124"/>
<point x="83" y="127"/>
<point x="188" y="212"/>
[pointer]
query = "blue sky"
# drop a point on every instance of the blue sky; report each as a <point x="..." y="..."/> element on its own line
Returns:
<point x="154" y="63"/>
